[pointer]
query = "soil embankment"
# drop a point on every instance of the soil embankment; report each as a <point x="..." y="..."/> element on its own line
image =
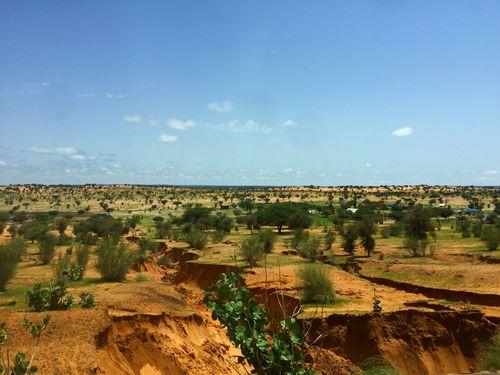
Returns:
<point x="415" y="342"/>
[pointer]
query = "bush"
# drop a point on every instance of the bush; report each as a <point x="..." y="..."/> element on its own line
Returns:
<point x="47" y="248"/>
<point x="141" y="277"/>
<point x="329" y="239"/>
<point x="61" y="269"/>
<point x="299" y="236"/>
<point x="114" y="260"/>
<point x="217" y="236"/>
<point x="416" y="247"/>
<point x="279" y="351"/>
<point x="10" y="255"/>
<point x="251" y="250"/>
<point x="375" y="366"/>
<point x="164" y="261"/>
<point x="310" y="248"/>
<point x="267" y="239"/>
<point x="82" y="260"/>
<point x="87" y="300"/>
<point x="316" y="284"/>
<point x="489" y="358"/>
<point x="349" y="236"/>
<point x="491" y="236"/>
<point x="196" y="238"/>
<point x="48" y="298"/>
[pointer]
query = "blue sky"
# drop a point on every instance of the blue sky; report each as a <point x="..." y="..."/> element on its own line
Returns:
<point x="261" y="92"/>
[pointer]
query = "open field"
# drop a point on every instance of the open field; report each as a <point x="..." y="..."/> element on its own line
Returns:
<point x="437" y="297"/>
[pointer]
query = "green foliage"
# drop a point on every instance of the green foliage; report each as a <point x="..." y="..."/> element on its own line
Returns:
<point x="217" y="236"/>
<point x="366" y="230"/>
<point x="489" y="358"/>
<point x="10" y="255"/>
<point x="34" y="230"/>
<point x="114" y="260"/>
<point x="491" y="236"/>
<point x="102" y="225"/>
<point x="310" y="248"/>
<point x="299" y="236"/>
<point x="247" y="323"/>
<point x="21" y="365"/>
<point x="196" y="238"/>
<point x="329" y="238"/>
<point x="251" y="250"/>
<point x="61" y="269"/>
<point x="375" y="366"/>
<point x="47" y="248"/>
<point x="48" y="298"/>
<point x="316" y="283"/>
<point x="349" y="237"/>
<point x="87" y="300"/>
<point x="267" y="238"/>
<point x="141" y="277"/>
<point x="418" y="228"/>
<point x="299" y="220"/>
<point x="82" y="260"/>
<point x="163" y="229"/>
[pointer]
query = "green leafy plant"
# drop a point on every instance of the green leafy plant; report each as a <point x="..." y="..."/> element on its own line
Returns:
<point x="47" y="248"/>
<point x="52" y="297"/>
<point x="20" y="364"/>
<point x="247" y="323"/>
<point x="87" y="300"/>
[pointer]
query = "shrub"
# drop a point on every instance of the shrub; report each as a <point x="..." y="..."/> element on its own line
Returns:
<point x="87" y="300"/>
<point x="349" y="236"/>
<point x="163" y="261"/>
<point x="491" y="236"/>
<point x="316" y="284"/>
<point x="269" y="351"/>
<point x="82" y="260"/>
<point x="61" y="269"/>
<point x="310" y="248"/>
<point x="385" y="231"/>
<point x="47" y="248"/>
<point x="416" y="247"/>
<point x="217" y="236"/>
<point x="489" y="358"/>
<point x="10" y="255"/>
<point x="267" y="238"/>
<point x="251" y="251"/>
<point x="299" y="236"/>
<point x="141" y="277"/>
<point x="48" y="298"/>
<point x="329" y="239"/>
<point x="196" y="238"/>
<point x="114" y="260"/>
<point x="375" y="366"/>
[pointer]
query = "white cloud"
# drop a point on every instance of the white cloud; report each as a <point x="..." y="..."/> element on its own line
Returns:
<point x="117" y="96"/>
<point x="222" y="106"/>
<point x="135" y="119"/>
<point x="491" y="171"/>
<point x="368" y="165"/>
<point x="168" y="138"/>
<point x="53" y="151"/>
<point x="288" y="170"/>
<point x="77" y="157"/>
<point x="402" y="132"/>
<point x="2" y="163"/>
<point x="179" y="124"/>
<point x="249" y="126"/>
<point x="289" y="124"/>
<point x="86" y="96"/>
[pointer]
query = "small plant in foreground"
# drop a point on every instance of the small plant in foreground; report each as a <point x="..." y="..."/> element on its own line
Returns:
<point x="247" y="323"/>
<point x="316" y="284"/>
<point x="87" y="300"/>
<point x="21" y="365"/>
<point x="52" y="297"/>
